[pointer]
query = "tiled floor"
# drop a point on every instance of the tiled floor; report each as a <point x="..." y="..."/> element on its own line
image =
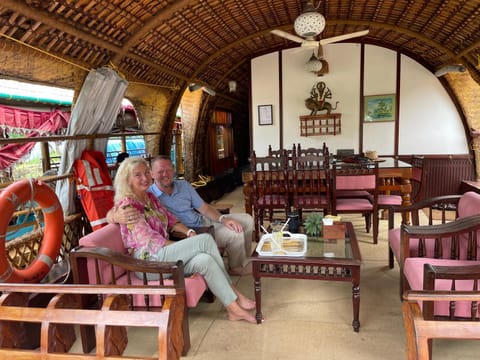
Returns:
<point x="311" y="319"/>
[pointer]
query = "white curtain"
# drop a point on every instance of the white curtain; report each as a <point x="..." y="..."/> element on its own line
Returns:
<point x="95" y="112"/>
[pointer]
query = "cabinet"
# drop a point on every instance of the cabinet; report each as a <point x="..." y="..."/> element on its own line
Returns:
<point x="324" y="124"/>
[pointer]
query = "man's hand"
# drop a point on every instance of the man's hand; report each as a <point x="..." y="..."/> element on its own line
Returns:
<point x="123" y="215"/>
<point x="232" y="224"/>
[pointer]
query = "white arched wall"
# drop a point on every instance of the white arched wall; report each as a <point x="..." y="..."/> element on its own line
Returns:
<point x="428" y="121"/>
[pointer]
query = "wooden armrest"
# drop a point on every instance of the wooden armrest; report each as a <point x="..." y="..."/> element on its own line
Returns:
<point x="442" y="202"/>
<point x="126" y="261"/>
<point x="456" y="227"/>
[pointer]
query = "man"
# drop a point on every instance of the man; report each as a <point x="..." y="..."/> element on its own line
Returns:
<point x="232" y="232"/>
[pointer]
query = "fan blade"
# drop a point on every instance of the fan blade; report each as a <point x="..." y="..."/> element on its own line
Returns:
<point x="287" y="35"/>
<point x="310" y="44"/>
<point x="343" y="37"/>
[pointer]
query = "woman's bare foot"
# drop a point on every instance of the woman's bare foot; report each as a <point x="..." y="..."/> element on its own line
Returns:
<point x="246" y="303"/>
<point x="235" y="312"/>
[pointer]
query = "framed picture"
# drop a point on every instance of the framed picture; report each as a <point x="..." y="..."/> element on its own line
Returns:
<point x="265" y="116"/>
<point x="379" y="108"/>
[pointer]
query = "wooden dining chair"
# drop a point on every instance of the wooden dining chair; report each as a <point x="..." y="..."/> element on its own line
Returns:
<point x="419" y="177"/>
<point x="312" y="151"/>
<point x="270" y="188"/>
<point x="311" y="184"/>
<point x="353" y="178"/>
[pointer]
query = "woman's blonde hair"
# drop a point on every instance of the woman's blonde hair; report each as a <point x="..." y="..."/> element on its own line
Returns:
<point x="122" y="188"/>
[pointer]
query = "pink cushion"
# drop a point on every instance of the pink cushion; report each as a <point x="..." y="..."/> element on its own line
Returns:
<point x="469" y="204"/>
<point x="413" y="272"/>
<point x="353" y="193"/>
<point x="195" y="286"/>
<point x="110" y="237"/>
<point x="357" y="182"/>
<point x="107" y="237"/>
<point x="389" y="200"/>
<point x="353" y="204"/>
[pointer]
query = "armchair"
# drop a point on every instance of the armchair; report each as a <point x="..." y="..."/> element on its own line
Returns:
<point x="444" y="306"/>
<point x="463" y="205"/>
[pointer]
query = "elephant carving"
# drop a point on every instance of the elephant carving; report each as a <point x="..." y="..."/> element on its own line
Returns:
<point x="316" y="102"/>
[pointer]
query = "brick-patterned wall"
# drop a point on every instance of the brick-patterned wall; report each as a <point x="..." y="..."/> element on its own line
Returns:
<point x="467" y="92"/>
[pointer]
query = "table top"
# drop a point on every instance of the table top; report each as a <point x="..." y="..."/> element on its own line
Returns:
<point x="324" y="250"/>
<point x="389" y="163"/>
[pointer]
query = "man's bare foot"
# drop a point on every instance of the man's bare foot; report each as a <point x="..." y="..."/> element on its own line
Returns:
<point x="236" y="313"/>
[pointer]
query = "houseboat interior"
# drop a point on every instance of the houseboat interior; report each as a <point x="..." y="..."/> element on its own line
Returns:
<point x="264" y="107"/>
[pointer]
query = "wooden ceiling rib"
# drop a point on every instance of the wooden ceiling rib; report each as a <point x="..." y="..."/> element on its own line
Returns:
<point x="173" y="42"/>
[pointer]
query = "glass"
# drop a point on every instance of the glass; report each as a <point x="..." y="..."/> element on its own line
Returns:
<point x="330" y="248"/>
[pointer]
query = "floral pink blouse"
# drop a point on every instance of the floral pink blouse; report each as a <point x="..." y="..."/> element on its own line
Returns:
<point x="150" y="232"/>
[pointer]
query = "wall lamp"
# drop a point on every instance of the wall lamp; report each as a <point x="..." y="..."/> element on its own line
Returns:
<point x="194" y="87"/>
<point x="450" y="68"/>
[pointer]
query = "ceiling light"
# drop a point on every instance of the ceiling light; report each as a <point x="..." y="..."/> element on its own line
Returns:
<point x="194" y="87"/>
<point x="450" y="68"/>
<point x="314" y="64"/>
<point x="232" y="86"/>
<point x="310" y="23"/>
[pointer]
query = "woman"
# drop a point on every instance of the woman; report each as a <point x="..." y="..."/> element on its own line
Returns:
<point x="147" y="237"/>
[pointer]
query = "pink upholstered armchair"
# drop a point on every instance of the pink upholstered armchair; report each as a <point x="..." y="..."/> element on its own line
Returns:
<point x="451" y="243"/>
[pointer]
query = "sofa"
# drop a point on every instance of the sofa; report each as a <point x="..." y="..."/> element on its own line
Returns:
<point x="102" y="259"/>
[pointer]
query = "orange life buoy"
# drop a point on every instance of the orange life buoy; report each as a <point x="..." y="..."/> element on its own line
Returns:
<point x="15" y="195"/>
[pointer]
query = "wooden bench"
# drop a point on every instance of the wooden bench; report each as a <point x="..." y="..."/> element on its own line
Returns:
<point x="64" y="311"/>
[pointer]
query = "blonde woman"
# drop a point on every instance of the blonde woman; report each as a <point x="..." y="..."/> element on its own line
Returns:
<point x="146" y="235"/>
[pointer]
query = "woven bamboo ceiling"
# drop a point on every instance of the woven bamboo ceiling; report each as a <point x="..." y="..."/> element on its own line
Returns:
<point x="175" y="42"/>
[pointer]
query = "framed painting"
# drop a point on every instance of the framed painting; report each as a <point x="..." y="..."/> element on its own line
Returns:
<point x="265" y="116"/>
<point x="378" y="108"/>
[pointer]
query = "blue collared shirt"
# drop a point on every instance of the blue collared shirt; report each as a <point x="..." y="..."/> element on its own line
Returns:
<point x="183" y="202"/>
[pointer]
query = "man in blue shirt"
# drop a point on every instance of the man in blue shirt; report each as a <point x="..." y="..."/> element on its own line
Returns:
<point x="232" y="231"/>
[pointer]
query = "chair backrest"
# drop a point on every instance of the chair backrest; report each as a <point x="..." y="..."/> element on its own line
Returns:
<point x="311" y="178"/>
<point x="289" y="153"/>
<point x="323" y="151"/>
<point x="419" y="177"/>
<point x="355" y="177"/>
<point x="270" y="179"/>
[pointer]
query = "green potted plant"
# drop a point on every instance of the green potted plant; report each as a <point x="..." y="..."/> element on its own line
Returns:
<point x="313" y="224"/>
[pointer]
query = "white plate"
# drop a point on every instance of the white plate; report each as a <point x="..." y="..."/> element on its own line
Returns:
<point x="299" y="245"/>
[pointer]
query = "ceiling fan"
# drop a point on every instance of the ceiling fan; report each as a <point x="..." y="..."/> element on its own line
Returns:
<point x="309" y="24"/>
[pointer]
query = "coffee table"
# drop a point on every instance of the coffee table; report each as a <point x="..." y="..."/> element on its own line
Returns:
<point x="333" y="260"/>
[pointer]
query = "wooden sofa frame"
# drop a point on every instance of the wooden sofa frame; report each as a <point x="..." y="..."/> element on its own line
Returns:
<point x="422" y="326"/>
<point x="115" y="260"/>
<point x="65" y="310"/>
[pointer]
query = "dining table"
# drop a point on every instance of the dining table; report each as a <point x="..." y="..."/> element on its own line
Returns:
<point x="394" y="176"/>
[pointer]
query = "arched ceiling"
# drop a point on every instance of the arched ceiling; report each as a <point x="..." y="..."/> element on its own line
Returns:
<point x="174" y="42"/>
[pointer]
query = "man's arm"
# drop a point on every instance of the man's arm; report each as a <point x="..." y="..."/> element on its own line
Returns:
<point x="213" y="214"/>
<point x="129" y="215"/>
<point x="122" y="215"/>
